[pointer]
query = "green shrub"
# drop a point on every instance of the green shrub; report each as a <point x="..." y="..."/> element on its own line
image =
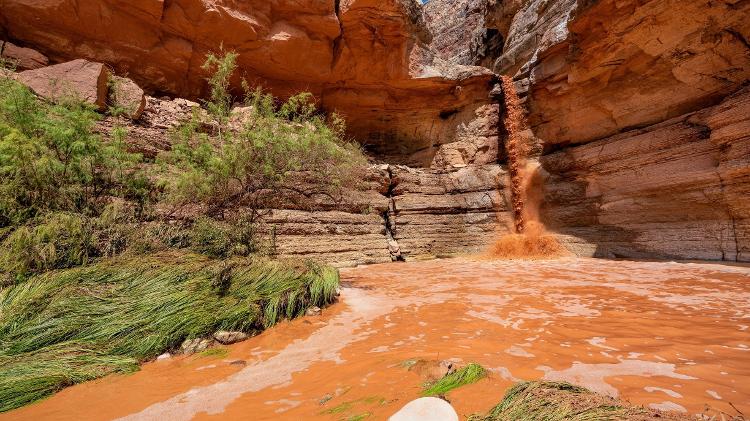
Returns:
<point x="52" y="160"/>
<point x="220" y="100"/>
<point x="68" y="195"/>
<point x="59" y="240"/>
<point x="289" y="157"/>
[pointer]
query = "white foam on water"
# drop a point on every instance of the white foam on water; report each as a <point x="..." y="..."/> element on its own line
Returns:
<point x="667" y="406"/>
<point x="670" y="393"/>
<point x="592" y="376"/>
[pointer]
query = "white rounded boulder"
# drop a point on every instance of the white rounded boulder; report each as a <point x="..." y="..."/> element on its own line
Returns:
<point x="426" y="409"/>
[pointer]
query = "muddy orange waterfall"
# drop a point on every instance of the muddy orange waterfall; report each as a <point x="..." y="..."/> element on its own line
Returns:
<point x="514" y="123"/>
<point x="530" y="239"/>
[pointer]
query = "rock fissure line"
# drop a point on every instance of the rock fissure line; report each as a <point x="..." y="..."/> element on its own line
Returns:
<point x="738" y="36"/>
<point x="390" y="232"/>
<point x="339" y="40"/>
<point x="722" y="186"/>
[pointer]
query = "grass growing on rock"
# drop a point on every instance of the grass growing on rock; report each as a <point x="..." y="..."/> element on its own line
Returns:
<point x="74" y="325"/>
<point x="558" y="401"/>
<point x="472" y="373"/>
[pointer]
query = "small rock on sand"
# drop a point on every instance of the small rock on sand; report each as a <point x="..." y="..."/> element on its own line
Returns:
<point x="193" y="346"/>
<point x="228" y="338"/>
<point x="313" y="311"/>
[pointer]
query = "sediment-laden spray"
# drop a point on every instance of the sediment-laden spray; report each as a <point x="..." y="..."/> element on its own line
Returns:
<point x="514" y="124"/>
<point x="530" y="239"/>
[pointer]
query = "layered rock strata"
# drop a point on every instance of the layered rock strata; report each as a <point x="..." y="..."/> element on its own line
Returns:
<point x="438" y="213"/>
<point x="653" y="92"/>
<point x="397" y="213"/>
<point x="678" y="189"/>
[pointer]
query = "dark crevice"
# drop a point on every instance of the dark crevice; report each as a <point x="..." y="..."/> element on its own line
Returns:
<point x="731" y="217"/>
<point x="390" y="225"/>
<point x="446" y="114"/>
<point x="338" y="43"/>
<point x="739" y="37"/>
<point x="487" y="46"/>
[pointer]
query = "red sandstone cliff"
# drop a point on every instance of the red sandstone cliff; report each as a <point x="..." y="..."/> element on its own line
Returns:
<point x="368" y="59"/>
<point x="638" y="109"/>
<point x="654" y="92"/>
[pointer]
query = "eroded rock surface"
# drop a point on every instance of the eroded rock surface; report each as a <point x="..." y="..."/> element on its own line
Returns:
<point x="595" y="68"/>
<point x="653" y="90"/>
<point x="439" y="213"/>
<point x="678" y="189"/>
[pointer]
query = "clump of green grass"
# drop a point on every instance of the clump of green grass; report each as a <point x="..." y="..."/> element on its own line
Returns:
<point x="215" y="353"/>
<point x="557" y="401"/>
<point x="69" y="326"/>
<point x="472" y="373"/>
<point x="346" y="409"/>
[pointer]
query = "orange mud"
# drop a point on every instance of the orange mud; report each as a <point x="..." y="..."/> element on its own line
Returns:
<point x="669" y="335"/>
<point x="533" y="244"/>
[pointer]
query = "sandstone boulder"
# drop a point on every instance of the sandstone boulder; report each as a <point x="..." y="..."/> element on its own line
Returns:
<point x="433" y="370"/>
<point x="78" y="79"/>
<point x="22" y="58"/>
<point x="127" y="96"/>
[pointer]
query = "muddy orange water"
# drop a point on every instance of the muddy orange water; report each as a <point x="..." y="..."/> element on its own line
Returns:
<point x="668" y="335"/>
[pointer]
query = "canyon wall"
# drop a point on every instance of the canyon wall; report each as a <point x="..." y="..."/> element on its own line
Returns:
<point x="367" y="59"/>
<point x="637" y="110"/>
<point x="677" y="189"/>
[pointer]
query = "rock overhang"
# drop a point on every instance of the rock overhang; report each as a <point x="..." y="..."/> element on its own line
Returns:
<point x="368" y="60"/>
